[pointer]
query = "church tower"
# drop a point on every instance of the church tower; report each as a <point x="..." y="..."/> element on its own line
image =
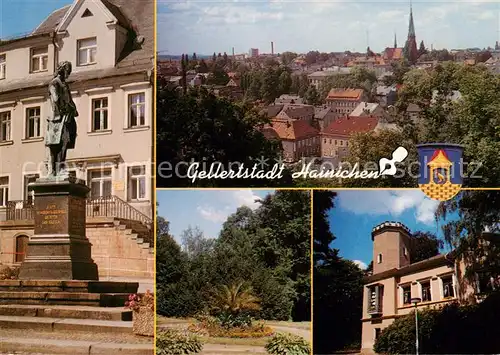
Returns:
<point x="395" y="41"/>
<point x="410" y="49"/>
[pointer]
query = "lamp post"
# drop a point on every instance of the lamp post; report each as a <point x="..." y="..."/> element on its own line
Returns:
<point x="415" y="301"/>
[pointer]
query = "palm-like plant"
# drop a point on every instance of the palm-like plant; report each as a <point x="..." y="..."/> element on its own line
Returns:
<point x="236" y="298"/>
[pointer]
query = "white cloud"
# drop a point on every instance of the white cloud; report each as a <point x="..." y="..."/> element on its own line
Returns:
<point x="394" y="202"/>
<point x="211" y="214"/>
<point x="227" y="203"/>
<point x="361" y="264"/>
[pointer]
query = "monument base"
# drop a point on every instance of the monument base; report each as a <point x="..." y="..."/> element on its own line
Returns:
<point x="59" y="249"/>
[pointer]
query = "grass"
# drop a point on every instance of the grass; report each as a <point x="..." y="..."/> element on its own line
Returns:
<point x="298" y="325"/>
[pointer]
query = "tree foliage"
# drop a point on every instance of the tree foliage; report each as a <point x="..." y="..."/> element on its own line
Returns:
<point x="338" y="286"/>
<point x="201" y="127"/>
<point x="268" y="249"/>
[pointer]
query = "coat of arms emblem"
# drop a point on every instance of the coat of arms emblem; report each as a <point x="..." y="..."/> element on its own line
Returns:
<point x="440" y="170"/>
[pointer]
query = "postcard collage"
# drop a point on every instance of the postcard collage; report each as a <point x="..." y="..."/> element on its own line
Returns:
<point x="249" y="177"/>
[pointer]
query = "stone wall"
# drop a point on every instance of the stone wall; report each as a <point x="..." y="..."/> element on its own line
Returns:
<point x="117" y="250"/>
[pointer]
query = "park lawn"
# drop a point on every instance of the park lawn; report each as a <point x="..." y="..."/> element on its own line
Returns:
<point x="299" y="325"/>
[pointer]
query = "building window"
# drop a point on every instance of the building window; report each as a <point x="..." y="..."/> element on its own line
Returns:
<point x="33" y="122"/>
<point x="29" y="194"/>
<point x="87" y="50"/>
<point x="5" y="126"/>
<point x="137" y="183"/>
<point x="21" y="247"/>
<point x="4" y="191"/>
<point x="100" y="183"/>
<point x="426" y="291"/>
<point x="375" y="297"/>
<point x="341" y="142"/>
<point x="448" y="290"/>
<point x="379" y="259"/>
<point x="99" y="114"/>
<point x="39" y="59"/>
<point x="377" y="333"/>
<point x="3" y="66"/>
<point x="405" y="251"/>
<point x="137" y="110"/>
<point x="406" y="294"/>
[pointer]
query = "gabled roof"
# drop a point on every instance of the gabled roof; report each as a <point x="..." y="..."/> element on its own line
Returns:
<point x="345" y="94"/>
<point x="274" y="110"/>
<point x="346" y="126"/>
<point x="298" y="111"/>
<point x="292" y="129"/>
<point x="137" y="16"/>
<point x="364" y="109"/>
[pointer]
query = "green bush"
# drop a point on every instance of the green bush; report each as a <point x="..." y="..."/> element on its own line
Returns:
<point x="454" y="329"/>
<point x="172" y="342"/>
<point x="228" y="320"/>
<point x="288" y="344"/>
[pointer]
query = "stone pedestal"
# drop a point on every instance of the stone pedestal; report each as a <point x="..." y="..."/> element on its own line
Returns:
<point x="59" y="249"/>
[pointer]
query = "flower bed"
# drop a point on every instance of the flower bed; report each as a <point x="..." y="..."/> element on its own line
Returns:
<point x="210" y="326"/>
<point x="143" y="313"/>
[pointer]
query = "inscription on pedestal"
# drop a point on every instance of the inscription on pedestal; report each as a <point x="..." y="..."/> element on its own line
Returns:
<point x="77" y="207"/>
<point x="51" y="215"/>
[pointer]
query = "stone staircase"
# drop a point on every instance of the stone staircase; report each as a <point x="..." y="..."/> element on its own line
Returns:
<point x="137" y="231"/>
<point x="68" y="317"/>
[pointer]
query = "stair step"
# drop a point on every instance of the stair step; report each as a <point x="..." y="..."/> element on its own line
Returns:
<point x="60" y="347"/>
<point x="68" y="286"/>
<point x="139" y="240"/>
<point x="64" y="298"/>
<point x="75" y="312"/>
<point x="65" y="324"/>
<point x="145" y="245"/>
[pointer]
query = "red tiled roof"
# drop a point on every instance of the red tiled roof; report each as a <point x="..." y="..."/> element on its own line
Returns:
<point x="347" y="126"/>
<point x="345" y="94"/>
<point x="291" y="130"/>
<point x="393" y="53"/>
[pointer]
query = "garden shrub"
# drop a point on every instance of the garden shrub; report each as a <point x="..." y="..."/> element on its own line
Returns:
<point x="288" y="344"/>
<point x="173" y="342"/>
<point x="212" y="326"/>
<point x="454" y="329"/>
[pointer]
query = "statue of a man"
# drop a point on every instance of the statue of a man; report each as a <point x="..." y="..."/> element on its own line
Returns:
<point x="61" y="125"/>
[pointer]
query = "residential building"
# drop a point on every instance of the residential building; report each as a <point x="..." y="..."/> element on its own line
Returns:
<point x="297" y="112"/>
<point x="298" y="138"/>
<point x="344" y="101"/>
<point x="289" y="99"/>
<point x="335" y="137"/>
<point x="386" y="95"/>
<point x="319" y="77"/>
<point x="413" y="112"/>
<point x="325" y="115"/>
<point x="367" y="109"/>
<point x="396" y="279"/>
<point x="110" y="45"/>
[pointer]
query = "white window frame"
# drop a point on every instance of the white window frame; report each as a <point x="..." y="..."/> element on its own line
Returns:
<point x="101" y="179"/>
<point x="92" y="99"/>
<point x="8" y="124"/>
<point x="441" y="286"/>
<point x="39" y="58"/>
<point x="421" y="289"/>
<point x="6" y="194"/>
<point x="26" y="123"/>
<point x="3" y="65"/>
<point x="87" y="49"/>
<point x="402" y="294"/>
<point x="128" y="116"/>
<point x="131" y="177"/>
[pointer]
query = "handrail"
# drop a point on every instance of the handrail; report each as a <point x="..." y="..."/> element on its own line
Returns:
<point x="110" y="206"/>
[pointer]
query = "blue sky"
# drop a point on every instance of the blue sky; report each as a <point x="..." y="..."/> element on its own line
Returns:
<point x="22" y="16"/>
<point x="207" y="209"/>
<point x="357" y="212"/>
<point x="205" y="26"/>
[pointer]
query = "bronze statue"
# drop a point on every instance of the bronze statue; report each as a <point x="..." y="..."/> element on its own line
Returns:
<point x="61" y="125"/>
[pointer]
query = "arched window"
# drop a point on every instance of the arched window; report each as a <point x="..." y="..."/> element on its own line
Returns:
<point x="21" y="247"/>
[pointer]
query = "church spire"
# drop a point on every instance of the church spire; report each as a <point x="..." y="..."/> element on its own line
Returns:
<point x="411" y="29"/>
<point x="395" y="41"/>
